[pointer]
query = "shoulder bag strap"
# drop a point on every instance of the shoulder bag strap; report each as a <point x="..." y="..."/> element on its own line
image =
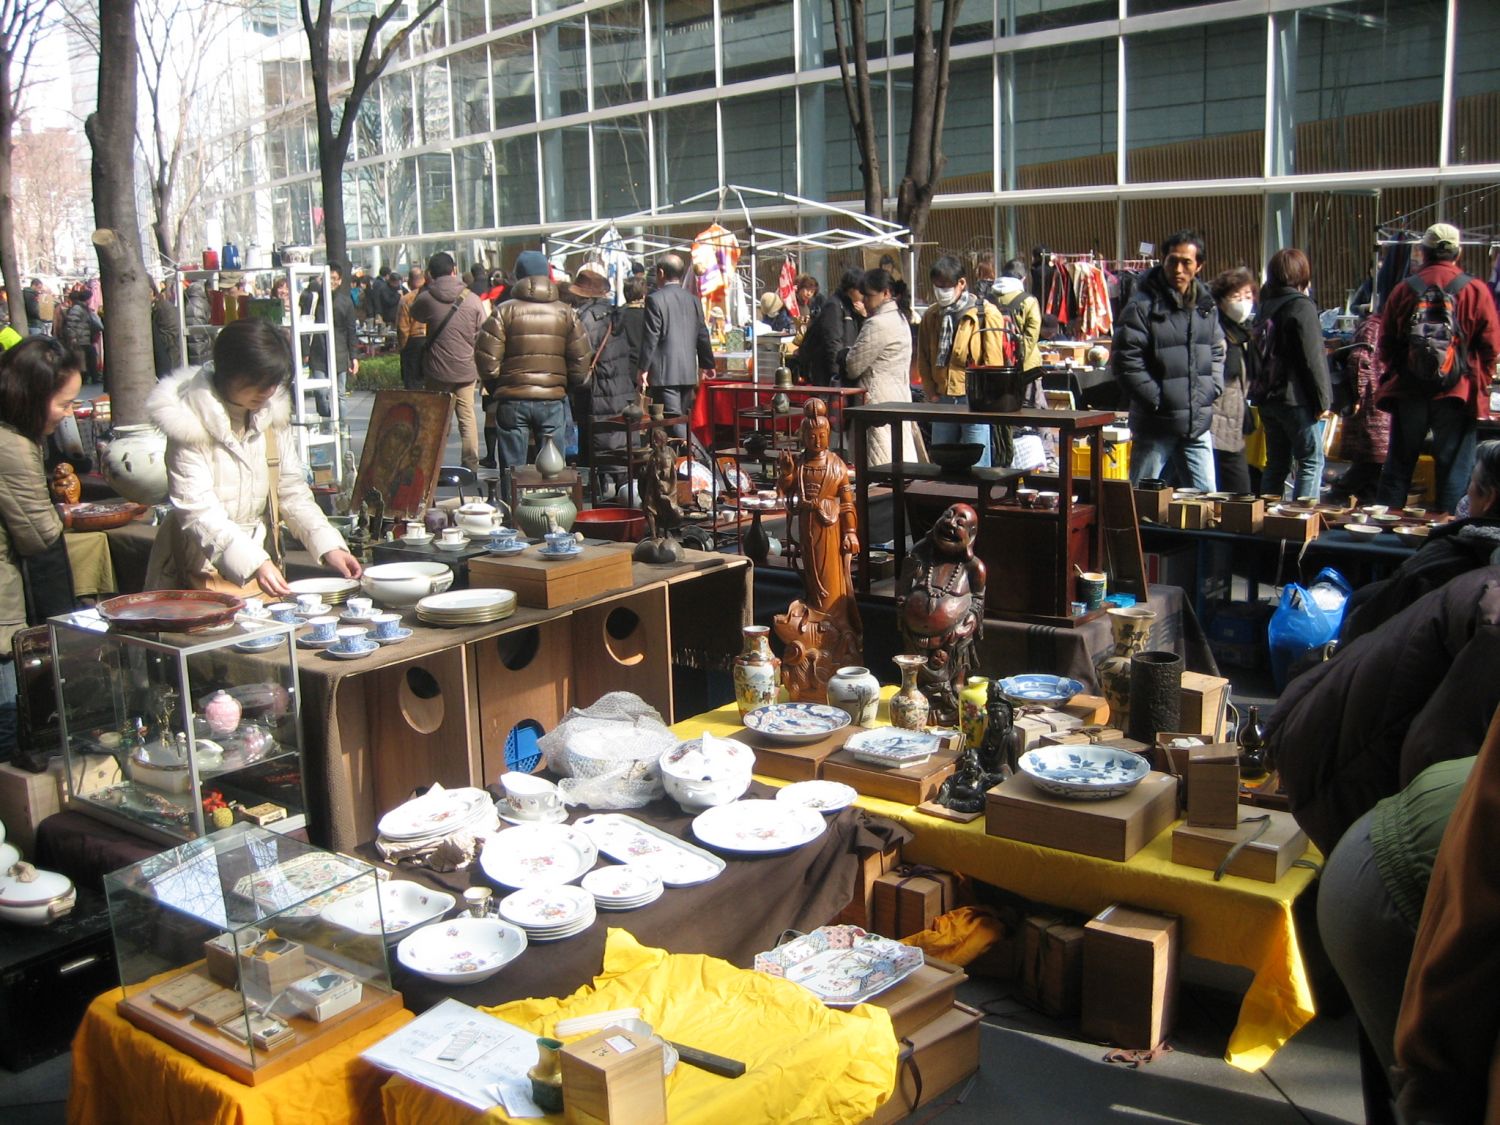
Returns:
<point x="273" y="499"/>
<point x="609" y="331"/>
<point x="432" y="336"/>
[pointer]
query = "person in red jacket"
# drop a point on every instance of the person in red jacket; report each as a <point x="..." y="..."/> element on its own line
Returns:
<point x="1416" y="408"/>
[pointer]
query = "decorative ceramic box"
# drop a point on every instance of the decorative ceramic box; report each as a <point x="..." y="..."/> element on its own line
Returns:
<point x="228" y="949"/>
<point x="193" y="723"/>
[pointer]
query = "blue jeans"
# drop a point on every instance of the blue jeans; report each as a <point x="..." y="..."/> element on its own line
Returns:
<point x="1453" y="442"/>
<point x="519" y="420"/>
<point x="1191" y="460"/>
<point x="948" y="432"/>
<point x="320" y="398"/>
<point x="1294" y="445"/>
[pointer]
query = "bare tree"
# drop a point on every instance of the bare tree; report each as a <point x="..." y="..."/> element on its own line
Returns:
<point x="117" y="239"/>
<point x="369" y="65"/>
<point x="49" y="193"/>
<point x="849" y="24"/>
<point x="19" y="23"/>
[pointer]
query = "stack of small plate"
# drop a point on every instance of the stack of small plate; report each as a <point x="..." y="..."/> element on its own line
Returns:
<point x="622" y="886"/>
<point x="466" y="607"/>
<point x="549" y="913"/>
<point x="437" y="814"/>
<point x="333" y="591"/>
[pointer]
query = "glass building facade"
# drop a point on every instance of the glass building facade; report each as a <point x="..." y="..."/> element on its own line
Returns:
<point x="1082" y="125"/>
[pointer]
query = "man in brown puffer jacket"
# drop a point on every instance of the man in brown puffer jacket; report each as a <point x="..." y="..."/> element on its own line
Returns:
<point x="531" y="351"/>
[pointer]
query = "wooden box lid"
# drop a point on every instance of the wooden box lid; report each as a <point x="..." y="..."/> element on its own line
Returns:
<point x="549" y="583"/>
<point x="1267" y="858"/>
<point x="1112" y="829"/>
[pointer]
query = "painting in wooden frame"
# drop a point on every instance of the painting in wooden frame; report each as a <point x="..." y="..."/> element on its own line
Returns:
<point x="403" y="450"/>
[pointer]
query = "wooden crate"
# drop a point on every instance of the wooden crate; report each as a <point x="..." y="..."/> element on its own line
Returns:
<point x="910" y="785"/>
<point x="1112" y="829"/>
<point x="524" y="673"/>
<point x="26" y="799"/>
<point x="624" y="644"/>
<point x="549" y="583"/>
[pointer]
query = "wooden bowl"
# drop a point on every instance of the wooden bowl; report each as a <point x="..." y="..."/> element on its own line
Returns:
<point x="100" y="516"/>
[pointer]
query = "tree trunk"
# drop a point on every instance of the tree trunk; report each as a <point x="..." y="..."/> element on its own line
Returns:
<point x="857" y="97"/>
<point x="9" y="266"/>
<point x="110" y="128"/>
<point x="929" y="102"/>
<point x="331" y="171"/>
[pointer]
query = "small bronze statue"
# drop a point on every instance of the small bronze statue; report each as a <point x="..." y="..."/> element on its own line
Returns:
<point x="1001" y="746"/>
<point x="940" y="603"/>
<point x="656" y="482"/>
<point x="982" y="767"/>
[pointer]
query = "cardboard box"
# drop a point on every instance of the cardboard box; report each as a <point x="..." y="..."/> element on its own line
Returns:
<point x="26" y="799"/>
<point x="1299" y="527"/>
<point x="1203" y="705"/>
<point x="909" y="785"/>
<point x="1113" y="829"/>
<point x="1130" y="976"/>
<point x="1089" y="736"/>
<point x="1193" y="515"/>
<point x="792" y="763"/>
<point x="1242" y="516"/>
<point x="1151" y="504"/>
<point x="614" y="1076"/>
<point x="264" y="974"/>
<point x="906" y="904"/>
<point x="1080" y="711"/>
<point x="872" y="865"/>
<point x="1049" y="973"/>
<point x="1267" y="858"/>
<point x="926" y="995"/>
<point x="547" y="584"/>
<point x="1213" y="786"/>
<point x="943" y="1053"/>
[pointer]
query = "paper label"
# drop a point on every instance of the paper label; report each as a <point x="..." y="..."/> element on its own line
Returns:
<point x="620" y="1044"/>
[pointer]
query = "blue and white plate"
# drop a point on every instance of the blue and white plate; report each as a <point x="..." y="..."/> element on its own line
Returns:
<point x="568" y="553"/>
<point x="400" y="634"/>
<point x="261" y="644"/>
<point x="352" y="654"/>
<point x="505" y="552"/>
<point x="796" y="722"/>
<point x="1084" y="773"/>
<point x="1050" y="691"/>
<point x="892" y="747"/>
<point x="309" y="642"/>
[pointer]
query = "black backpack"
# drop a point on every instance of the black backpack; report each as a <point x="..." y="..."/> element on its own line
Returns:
<point x="1268" y="377"/>
<point x="1436" y="352"/>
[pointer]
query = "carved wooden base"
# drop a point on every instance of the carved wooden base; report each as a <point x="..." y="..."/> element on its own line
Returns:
<point x="817" y="645"/>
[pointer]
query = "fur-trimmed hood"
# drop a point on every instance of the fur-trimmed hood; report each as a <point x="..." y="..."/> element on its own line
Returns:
<point x="185" y="407"/>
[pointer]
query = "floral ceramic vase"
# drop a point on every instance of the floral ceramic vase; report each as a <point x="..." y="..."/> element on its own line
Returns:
<point x="135" y="463"/>
<point x="1131" y="629"/>
<point x="530" y="513"/>
<point x="909" y="707"/>
<point x="972" y="716"/>
<point x="757" y="673"/>
<point x="856" y="691"/>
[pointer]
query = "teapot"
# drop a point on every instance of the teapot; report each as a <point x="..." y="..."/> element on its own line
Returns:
<point x="477" y="518"/>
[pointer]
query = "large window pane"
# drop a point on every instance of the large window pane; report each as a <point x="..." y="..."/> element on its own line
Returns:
<point x="1065" y="112"/>
<point x="369" y="202"/>
<point x="619" y="51"/>
<point x="841" y="167"/>
<point x="874" y="33"/>
<point x="1337" y="232"/>
<point x="276" y="162"/>
<point x="1044" y="15"/>
<point x="684" y="39"/>
<point x="471" y="92"/>
<point x="687" y="149"/>
<point x="968" y="135"/>
<point x="515" y="92"/>
<point x="505" y="12"/>
<point x="1231" y="227"/>
<point x="561" y="70"/>
<point x="474" y="187"/>
<point x="515" y="167"/>
<point x="396" y="98"/>
<point x="757" y="36"/>
<point x="297" y="146"/>
<point x="1369" y="84"/>
<point x="368" y="135"/>
<point x="1196" y="102"/>
<point x="1476" y="86"/>
<point x="565" y="165"/>
<point x="436" y="172"/>
<point x="434" y="114"/>
<point x="620" y="157"/>
<point x="431" y="36"/>
<point x="975" y="22"/>
<point x="301" y="213"/>
<point x="760" y="141"/>
<point x="466" y="19"/>
<point x="281" y="214"/>
<point x="403" y="196"/>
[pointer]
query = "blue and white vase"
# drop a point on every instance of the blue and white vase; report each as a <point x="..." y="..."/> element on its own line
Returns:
<point x="856" y="691"/>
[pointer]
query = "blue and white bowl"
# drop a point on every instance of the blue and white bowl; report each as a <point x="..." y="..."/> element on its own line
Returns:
<point x="1039" y="689"/>
<point x="1084" y="773"/>
<point x="796" y="722"/>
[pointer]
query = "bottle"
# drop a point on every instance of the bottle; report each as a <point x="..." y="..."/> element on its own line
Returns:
<point x="1252" y="743"/>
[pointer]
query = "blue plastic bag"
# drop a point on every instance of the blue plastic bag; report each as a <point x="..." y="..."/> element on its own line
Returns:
<point x="1307" y="619"/>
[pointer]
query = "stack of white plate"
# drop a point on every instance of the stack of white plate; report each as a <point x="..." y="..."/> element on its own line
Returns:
<point x="622" y="886"/>
<point x="466" y="607"/>
<point x="333" y="591"/>
<point x="549" y="913"/>
<point x="439" y="813"/>
<point x="538" y="855"/>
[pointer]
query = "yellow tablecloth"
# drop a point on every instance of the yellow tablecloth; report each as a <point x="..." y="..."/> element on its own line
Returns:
<point x="122" y="1074"/>
<point x="806" y="1062"/>
<point x="93" y="569"/>
<point x="1235" y="921"/>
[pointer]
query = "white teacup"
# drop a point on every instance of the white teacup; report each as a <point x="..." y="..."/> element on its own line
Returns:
<point x="255" y="607"/>
<point x="529" y="797"/>
<point x="416" y="529"/>
<point x="351" y="638"/>
<point x="359" y="607"/>
<point x="453" y="535"/>
<point x="285" y="612"/>
<point x="309" y="602"/>
<point x="384" y="625"/>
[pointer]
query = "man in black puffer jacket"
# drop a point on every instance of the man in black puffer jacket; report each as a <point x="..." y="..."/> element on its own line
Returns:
<point x="1169" y="360"/>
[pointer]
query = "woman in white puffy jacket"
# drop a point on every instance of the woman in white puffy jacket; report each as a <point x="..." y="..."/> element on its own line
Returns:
<point x="225" y="424"/>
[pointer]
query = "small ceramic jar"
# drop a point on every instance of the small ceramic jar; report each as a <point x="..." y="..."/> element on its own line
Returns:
<point x="222" y="713"/>
<point x="856" y="691"/>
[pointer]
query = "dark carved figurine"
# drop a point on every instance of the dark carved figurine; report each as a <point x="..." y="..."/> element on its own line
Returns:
<point x="657" y="484"/>
<point x="940" y="601"/>
<point x="982" y="767"/>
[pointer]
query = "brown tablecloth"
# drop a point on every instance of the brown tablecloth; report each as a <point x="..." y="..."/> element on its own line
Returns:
<point x="735" y="916"/>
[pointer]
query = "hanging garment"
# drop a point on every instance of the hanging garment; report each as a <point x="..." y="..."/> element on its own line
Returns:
<point x="716" y="254"/>
<point x="616" y="259"/>
<point x="786" y="288"/>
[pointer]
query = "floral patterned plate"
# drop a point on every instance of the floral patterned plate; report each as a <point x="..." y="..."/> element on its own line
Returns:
<point x="824" y="796"/>
<point x="538" y="855"/>
<point x="893" y="747"/>
<point x="796" y="722"/>
<point x="401" y="903"/>
<point x="1084" y="773"/>
<point x="548" y="910"/>
<point x="463" y="950"/>
<point x="622" y="886"/>
<point x="841" y="965"/>
<point x="675" y="862"/>
<point x="1050" y="691"/>
<point x="433" y="813"/>
<point x="759" y="826"/>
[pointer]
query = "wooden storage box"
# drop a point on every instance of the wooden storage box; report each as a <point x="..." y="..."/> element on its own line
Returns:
<point x="1112" y="829"/>
<point x="926" y="995"/>
<point x="1242" y="516"/>
<point x="905" y="904"/>
<point x="547" y="584"/>
<point x="910" y="785"/>
<point x="614" y="1076"/>
<point x="1151" y="504"/>
<point x="1130" y="976"/>
<point x="1203" y="700"/>
<point x="792" y="763"/>
<point x="1302" y="527"/>
<point x="1191" y="514"/>
<point x="26" y="799"/>
<point x="1049" y="971"/>
<point x="1090" y="736"/>
<point x="943" y="1053"/>
<point x="1213" y="786"/>
<point x="272" y="973"/>
<point x="1081" y="711"/>
<point x="1266" y="859"/>
<point x="872" y="865"/>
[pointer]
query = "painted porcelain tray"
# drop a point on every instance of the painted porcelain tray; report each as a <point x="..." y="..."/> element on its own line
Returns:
<point x="462" y="950"/>
<point x="759" y="826"/>
<point x="400" y="902"/>
<point x="796" y="722"/>
<point x="824" y="796"/>
<point x="434" y="813"/>
<point x="538" y="855"/>
<point x="624" y="838"/>
<point x="1084" y="773"/>
<point x="170" y="611"/>
<point x="1051" y="691"/>
<point x="841" y="965"/>
<point x="288" y="884"/>
<point x="893" y="747"/>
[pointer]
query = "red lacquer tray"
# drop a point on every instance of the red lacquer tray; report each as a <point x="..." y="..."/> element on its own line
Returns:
<point x="170" y="611"/>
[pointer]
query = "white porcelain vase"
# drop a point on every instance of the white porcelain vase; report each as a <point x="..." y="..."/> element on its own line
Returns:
<point x="856" y="691"/>
<point x="134" y="460"/>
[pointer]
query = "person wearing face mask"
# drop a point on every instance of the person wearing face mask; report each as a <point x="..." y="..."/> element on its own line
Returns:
<point x="1234" y="293"/>
<point x="948" y="342"/>
<point x="1291" y="384"/>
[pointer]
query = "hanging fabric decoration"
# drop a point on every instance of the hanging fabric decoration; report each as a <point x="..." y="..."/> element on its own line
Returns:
<point x="716" y="256"/>
<point x="616" y="261"/>
<point x="786" y="287"/>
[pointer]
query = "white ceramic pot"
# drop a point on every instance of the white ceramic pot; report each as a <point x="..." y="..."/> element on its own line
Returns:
<point x="404" y="584"/>
<point x="708" y="771"/>
<point x="855" y="690"/>
<point x="31" y="897"/>
<point x="134" y="461"/>
<point x="475" y="517"/>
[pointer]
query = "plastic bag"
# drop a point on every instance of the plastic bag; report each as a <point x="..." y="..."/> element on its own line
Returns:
<point x="1306" y="620"/>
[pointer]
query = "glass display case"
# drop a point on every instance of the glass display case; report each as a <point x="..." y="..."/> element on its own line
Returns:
<point x="175" y="734"/>
<point x="229" y="948"/>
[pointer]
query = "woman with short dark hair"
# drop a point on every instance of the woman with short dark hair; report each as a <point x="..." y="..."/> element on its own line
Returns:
<point x="229" y="444"/>
<point x="1291" y="384"/>
<point x="880" y="362"/>
<point x="1234" y="294"/>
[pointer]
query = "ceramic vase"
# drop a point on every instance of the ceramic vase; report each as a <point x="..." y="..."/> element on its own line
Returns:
<point x="549" y="459"/>
<point x="973" y="716"/>
<point x="1155" y="695"/>
<point x="530" y="514"/>
<point x="222" y="713"/>
<point x="757" y="673"/>
<point x="855" y="691"/>
<point x="756" y="543"/>
<point x="546" y="1076"/>
<point x="1131" y="629"/>
<point x="135" y="463"/>
<point x="909" y="707"/>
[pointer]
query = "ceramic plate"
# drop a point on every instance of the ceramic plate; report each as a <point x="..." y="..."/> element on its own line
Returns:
<point x="506" y="552"/>
<point x="433" y="813"/>
<point x="400" y="634"/>
<point x="400" y="902"/>
<point x="796" y="722"/>
<point x="321" y="610"/>
<point x="332" y="590"/>
<point x="1369" y="530"/>
<point x="461" y="545"/>
<point x="463" y="602"/>
<point x="463" y="950"/>
<point x="841" y="965"/>
<point x="1052" y="691"/>
<point x="547" y="909"/>
<point x="824" y="796"/>
<point x="549" y="553"/>
<point x="893" y="747"/>
<point x="416" y="540"/>
<point x="621" y="881"/>
<point x="169" y="611"/>
<point x="308" y="642"/>
<point x="758" y="826"/>
<point x="363" y="650"/>
<point x="538" y="855"/>
<point x="676" y="862"/>
<point x="260" y="644"/>
<point x="1085" y="773"/>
